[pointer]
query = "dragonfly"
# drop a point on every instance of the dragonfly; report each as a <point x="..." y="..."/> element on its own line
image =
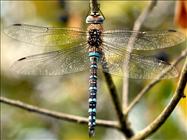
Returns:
<point x="80" y="50"/>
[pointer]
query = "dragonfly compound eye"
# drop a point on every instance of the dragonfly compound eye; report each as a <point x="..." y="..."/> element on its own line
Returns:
<point x="95" y="19"/>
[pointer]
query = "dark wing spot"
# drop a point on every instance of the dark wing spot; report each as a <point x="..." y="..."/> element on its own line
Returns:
<point x="21" y="59"/>
<point x="17" y="24"/>
<point x="171" y="30"/>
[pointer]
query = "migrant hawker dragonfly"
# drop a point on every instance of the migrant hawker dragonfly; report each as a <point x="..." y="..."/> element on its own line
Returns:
<point x="109" y="48"/>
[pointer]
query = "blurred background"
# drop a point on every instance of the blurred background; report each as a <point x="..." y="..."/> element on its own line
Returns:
<point x="69" y="93"/>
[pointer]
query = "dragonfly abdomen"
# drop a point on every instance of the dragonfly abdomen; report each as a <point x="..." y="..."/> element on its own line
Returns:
<point x="94" y="57"/>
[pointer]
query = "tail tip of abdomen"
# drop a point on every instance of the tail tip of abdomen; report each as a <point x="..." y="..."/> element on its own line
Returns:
<point x="91" y="132"/>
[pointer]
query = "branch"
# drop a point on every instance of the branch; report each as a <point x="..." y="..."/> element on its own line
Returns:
<point x="155" y="81"/>
<point x="137" y="25"/>
<point x="157" y="123"/>
<point x="57" y="115"/>
<point x="126" y="130"/>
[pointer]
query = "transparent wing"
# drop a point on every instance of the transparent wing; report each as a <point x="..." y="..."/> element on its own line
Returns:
<point x="139" y="67"/>
<point x="144" y="40"/>
<point x="45" y="36"/>
<point x="53" y="63"/>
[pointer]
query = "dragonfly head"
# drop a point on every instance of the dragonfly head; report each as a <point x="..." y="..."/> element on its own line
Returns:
<point x="95" y="18"/>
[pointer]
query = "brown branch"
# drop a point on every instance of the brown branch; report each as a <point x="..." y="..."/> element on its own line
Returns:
<point x="137" y="25"/>
<point x="157" y="123"/>
<point x="57" y="115"/>
<point x="155" y="81"/>
<point x="126" y="130"/>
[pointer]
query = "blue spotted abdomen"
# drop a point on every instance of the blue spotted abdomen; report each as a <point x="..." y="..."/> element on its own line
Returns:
<point x="94" y="57"/>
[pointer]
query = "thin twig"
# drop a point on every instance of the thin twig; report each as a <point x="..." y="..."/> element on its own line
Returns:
<point x="157" y="123"/>
<point x="57" y="115"/>
<point x="137" y="25"/>
<point x="155" y="81"/>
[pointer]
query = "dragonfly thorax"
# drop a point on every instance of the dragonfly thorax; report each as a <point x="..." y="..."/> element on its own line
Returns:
<point x="94" y="38"/>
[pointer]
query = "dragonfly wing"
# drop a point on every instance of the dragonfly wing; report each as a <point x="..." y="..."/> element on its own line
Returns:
<point x="45" y="36"/>
<point x="139" y="67"/>
<point x="144" y="40"/>
<point x="53" y="63"/>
